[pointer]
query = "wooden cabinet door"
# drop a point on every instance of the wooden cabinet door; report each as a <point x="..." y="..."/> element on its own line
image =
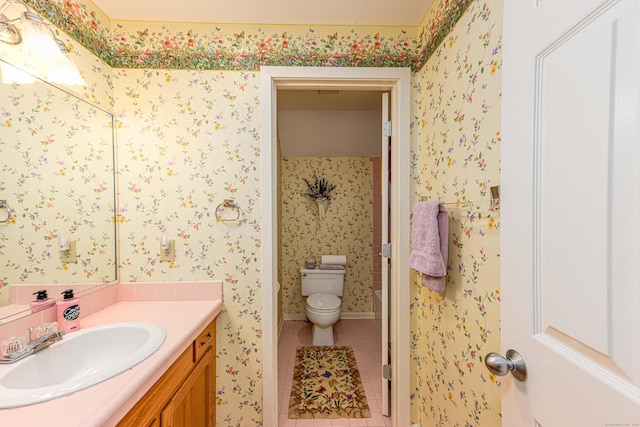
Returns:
<point x="193" y="405"/>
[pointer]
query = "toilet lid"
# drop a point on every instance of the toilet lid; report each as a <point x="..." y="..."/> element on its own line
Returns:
<point x="323" y="302"/>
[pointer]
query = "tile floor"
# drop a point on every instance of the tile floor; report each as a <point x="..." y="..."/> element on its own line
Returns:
<point x="364" y="337"/>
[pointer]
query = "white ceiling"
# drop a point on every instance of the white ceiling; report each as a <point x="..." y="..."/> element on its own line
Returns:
<point x="326" y="12"/>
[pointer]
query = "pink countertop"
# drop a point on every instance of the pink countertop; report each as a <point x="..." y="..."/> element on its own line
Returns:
<point x="106" y="403"/>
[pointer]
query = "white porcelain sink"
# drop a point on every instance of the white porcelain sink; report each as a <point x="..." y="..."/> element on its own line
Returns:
<point x="82" y="359"/>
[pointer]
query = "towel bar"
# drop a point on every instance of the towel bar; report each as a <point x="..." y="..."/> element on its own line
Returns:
<point x="227" y="204"/>
<point x="494" y="201"/>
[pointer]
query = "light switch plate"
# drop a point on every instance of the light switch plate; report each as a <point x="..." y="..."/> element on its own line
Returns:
<point x="168" y="255"/>
<point x="70" y="256"/>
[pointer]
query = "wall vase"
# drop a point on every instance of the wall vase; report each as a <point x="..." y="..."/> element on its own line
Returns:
<point x="323" y="205"/>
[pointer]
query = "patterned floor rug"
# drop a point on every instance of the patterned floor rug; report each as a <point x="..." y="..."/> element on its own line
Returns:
<point x="327" y="384"/>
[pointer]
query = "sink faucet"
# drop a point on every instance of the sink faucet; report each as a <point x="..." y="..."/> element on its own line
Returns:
<point x="34" y="346"/>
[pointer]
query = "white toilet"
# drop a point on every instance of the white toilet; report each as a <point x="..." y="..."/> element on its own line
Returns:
<point x="322" y="289"/>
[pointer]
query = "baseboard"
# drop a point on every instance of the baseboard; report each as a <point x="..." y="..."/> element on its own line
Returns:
<point x="345" y="316"/>
<point x="294" y="316"/>
<point x="361" y="316"/>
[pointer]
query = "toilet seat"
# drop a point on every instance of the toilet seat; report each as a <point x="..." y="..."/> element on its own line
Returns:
<point x="323" y="302"/>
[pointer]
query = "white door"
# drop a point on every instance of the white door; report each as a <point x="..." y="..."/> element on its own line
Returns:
<point x="570" y="183"/>
<point x="385" y="187"/>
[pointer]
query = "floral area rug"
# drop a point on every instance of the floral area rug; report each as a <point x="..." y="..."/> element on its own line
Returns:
<point x="327" y="384"/>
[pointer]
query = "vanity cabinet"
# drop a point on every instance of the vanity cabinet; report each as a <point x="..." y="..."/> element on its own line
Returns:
<point x="185" y="395"/>
<point x="193" y="403"/>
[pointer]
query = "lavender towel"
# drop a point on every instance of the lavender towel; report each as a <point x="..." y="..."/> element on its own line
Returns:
<point x="430" y="239"/>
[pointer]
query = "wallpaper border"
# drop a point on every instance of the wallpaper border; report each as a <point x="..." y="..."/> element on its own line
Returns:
<point x="250" y="49"/>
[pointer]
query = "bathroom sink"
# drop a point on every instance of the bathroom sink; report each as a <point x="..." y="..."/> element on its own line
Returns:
<point x="82" y="359"/>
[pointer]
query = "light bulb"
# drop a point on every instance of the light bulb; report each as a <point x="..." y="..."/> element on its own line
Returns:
<point x="44" y="53"/>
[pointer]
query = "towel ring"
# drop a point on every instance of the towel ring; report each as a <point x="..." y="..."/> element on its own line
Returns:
<point x="227" y="204"/>
<point x="5" y="205"/>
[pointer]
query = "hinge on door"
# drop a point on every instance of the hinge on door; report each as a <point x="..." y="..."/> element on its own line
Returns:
<point x="386" y="372"/>
<point x="386" y="128"/>
<point x="386" y="250"/>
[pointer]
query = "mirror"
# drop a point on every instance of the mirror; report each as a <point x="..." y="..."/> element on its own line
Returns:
<point x="57" y="181"/>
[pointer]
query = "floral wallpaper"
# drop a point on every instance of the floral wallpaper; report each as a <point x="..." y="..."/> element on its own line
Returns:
<point x="347" y="228"/>
<point x="457" y="123"/>
<point x="186" y="100"/>
<point x="58" y="180"/>
<point x="188" y="140"/>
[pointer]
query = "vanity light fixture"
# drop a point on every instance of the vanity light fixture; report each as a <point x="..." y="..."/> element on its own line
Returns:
<point x="8" y="32"/>
<point x="42" y="51"/>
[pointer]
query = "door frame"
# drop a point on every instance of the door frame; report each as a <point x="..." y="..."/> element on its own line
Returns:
<point x="385" y="191"/>
<point x="397" y="81"/>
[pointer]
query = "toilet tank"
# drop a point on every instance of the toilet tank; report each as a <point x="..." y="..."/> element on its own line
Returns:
<point x="322" y="282"/>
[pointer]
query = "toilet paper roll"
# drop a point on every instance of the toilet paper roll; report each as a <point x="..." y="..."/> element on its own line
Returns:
<point x="334" y="259"/>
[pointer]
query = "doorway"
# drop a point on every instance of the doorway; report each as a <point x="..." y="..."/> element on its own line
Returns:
<point x="397" y="82"/>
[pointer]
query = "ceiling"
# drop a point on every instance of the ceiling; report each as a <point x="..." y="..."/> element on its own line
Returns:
<point x="361" y="100"/>
<point x="327" y="12"/>
<point x="340" y="124"/>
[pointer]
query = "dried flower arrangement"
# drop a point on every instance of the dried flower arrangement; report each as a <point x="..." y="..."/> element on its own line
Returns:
<point x="319" y="189"/>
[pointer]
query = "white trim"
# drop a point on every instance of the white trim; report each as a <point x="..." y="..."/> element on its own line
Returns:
<point x="358" y="316"/>
<point x="293" y="316"/>
<point x="343" y="316"/>
<point x="397" y="81"/>
<point x="280" y="325"/>
<point x="269" y="277"/>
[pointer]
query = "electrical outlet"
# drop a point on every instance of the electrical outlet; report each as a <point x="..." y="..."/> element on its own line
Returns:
<point x="70" y="256"/>
<point x="168" y="255"/>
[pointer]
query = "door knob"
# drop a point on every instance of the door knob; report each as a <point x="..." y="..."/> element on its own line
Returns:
<point x="501" y="366"/>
